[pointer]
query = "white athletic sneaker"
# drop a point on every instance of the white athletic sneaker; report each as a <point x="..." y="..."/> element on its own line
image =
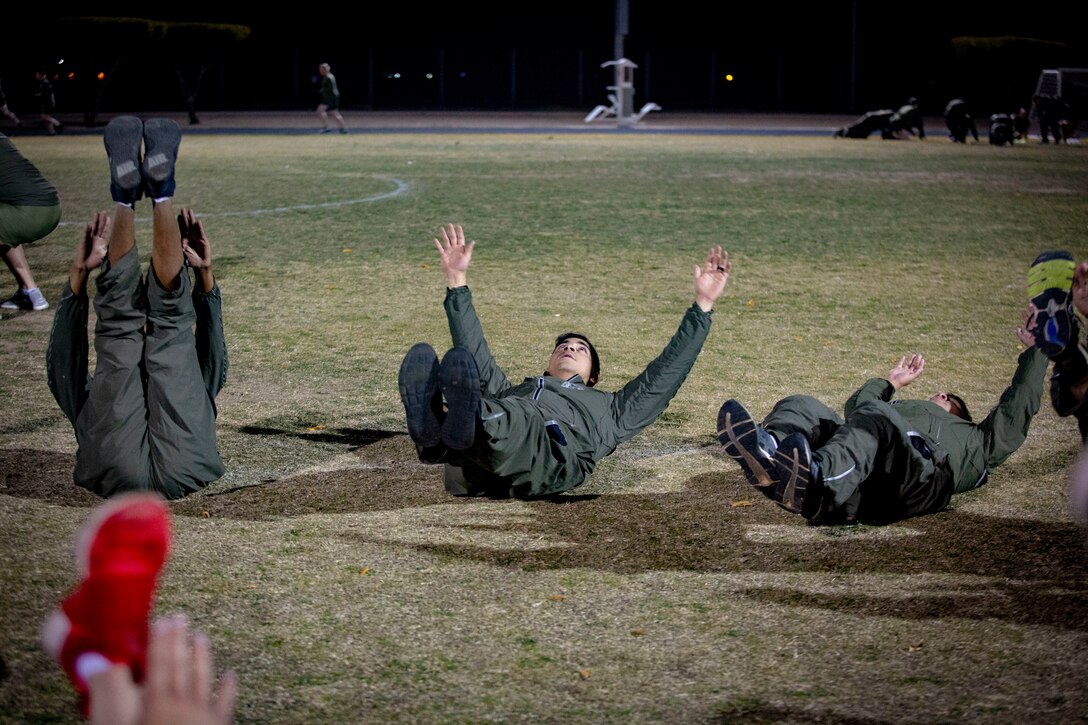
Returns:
<point x="26" y="300"/>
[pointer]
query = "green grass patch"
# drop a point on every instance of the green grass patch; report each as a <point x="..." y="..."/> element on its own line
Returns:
<point x="846" y="256"/>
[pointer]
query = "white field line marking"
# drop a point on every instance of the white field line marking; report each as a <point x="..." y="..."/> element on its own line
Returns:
<point x="402" y="188"/>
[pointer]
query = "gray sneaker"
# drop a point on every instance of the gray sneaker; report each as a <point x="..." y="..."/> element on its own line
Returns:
<point x="162" y="137"/>
<point x="122" y="139"/>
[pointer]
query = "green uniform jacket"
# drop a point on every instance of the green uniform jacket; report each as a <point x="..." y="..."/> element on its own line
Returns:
<point x="597" y="421"/>
<point x="970" y="450"/>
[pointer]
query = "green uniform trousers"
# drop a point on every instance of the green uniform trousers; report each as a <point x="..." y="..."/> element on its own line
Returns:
<point x="517" y="453"/>
<point x="874" y="468"/>
<point x="146" y="420"/>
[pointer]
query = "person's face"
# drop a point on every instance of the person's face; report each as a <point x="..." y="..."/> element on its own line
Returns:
<point x="571" y="357"/>
<point x="945" y="402"/>
<point x="322" y="70"/>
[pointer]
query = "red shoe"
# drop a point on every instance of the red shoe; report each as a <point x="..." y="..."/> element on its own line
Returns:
<point x="120" y="551"/>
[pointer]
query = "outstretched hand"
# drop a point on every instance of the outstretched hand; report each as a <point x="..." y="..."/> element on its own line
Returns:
<point x="906" y="371"/>
<point x="710" y="278"/>
<point x="456" y="255"/>
<point x="1080" y="288"/>
<point x="1026" y="333"/>
<point x="196" y="247"/>
<point x="93" y="246"/>
<point x="90" y="252"/>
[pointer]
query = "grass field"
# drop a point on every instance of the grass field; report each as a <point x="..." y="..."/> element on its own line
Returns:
<point x="342" y="584"/>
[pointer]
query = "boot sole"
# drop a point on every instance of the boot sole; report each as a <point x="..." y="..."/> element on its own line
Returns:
<point x="793" y="478"/>
<point x="162" y="138"/>
<point x="1050" y="280"/>
<point x="418" y="384"/>
<point x="122" y="140"/>
<point x="461" y="386"/>
<point x="735" y="426"/>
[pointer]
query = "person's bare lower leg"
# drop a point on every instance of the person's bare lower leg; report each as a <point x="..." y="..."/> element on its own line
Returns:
<point x="166" y="253"/>
<point x="123" y="233"/>
<point x="15" y="258"/>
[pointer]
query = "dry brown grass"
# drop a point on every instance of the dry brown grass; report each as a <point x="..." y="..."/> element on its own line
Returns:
<point x="343" y="585"/>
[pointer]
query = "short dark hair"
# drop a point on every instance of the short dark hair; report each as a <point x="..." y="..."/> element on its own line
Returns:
<point x="957" y="401"/>
<point x="595" y="361"/>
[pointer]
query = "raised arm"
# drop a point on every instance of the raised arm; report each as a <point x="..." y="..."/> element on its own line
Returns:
<point x="1080" y="288"/>
<point x="90" y="252"/>
<point x="906" y="371"/>
<point x="211" y="344"/>
<point x="197" y="248"/>
<point x="642" y="400"/>
<point x="710" y="278"/>
<point x="456" y="255"/>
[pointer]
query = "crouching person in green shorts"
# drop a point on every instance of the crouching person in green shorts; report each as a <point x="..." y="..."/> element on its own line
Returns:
<point x="546" y="434"/>
<point x="146" y="419"/>
<point x="29" y="211"/>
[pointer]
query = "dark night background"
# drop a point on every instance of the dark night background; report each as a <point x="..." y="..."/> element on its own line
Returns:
<point x="838" y="56"/>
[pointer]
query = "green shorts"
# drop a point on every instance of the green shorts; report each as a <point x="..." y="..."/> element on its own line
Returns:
<point x="26" y="224"/>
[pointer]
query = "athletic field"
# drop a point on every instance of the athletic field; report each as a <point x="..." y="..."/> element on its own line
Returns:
<point x="343" y="585"/>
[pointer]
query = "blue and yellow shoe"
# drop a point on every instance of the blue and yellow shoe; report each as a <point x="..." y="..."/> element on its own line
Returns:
<point x="749" y="444"/>
<point x="1050" y="280"/>
<point x="797" y="473"/>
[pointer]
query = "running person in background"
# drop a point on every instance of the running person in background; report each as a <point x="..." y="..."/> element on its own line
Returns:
<point x="330" y="99"/>
<point x="47" y="102"/>
<point x="6" y="112"/>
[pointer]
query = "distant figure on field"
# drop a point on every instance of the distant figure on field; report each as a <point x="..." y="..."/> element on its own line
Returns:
<point x="1002" y="129"/>
<point x="330" y="99"/>
<point x="867" y="124"/>
<point x="1049" y="111"/>
<point x="957" y="116"/>
<point x="1021" y="124"/>
<point x="47" y="102"/>
<point x="906" y="121"/>
<point x="6" y="112"/>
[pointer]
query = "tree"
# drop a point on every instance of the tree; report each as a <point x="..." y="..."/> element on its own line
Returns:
<point x="999" y="73"/>
<point x="99" y="48"/>
<point x="193" y="49"/>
